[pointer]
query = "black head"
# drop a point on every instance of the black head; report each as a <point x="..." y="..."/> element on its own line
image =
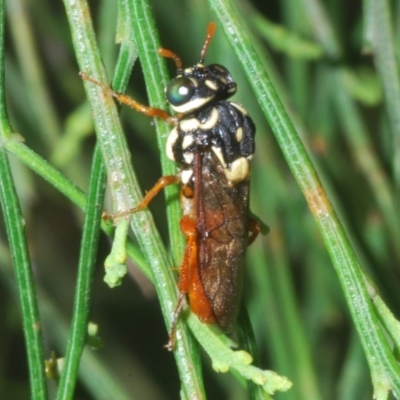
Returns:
<point x="195" y="87"/>
<point x="198" y="86"/>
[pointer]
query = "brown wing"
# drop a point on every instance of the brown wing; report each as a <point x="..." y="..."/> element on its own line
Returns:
<point x="222" y="224"/>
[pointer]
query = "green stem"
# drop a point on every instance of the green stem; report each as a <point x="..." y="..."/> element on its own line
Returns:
<point x="384" y="368"/>
<point x="155" y="76"/>
<point x="365" y="155"/>
<point x="83" y="293"/>
<point x="124" y="184"/>
<point x="386" y="65"/>
<point x="323" y="31"/>
<point x="247" y="342"/>
<point x="14" y="222"/>
<point x="30" y="62"/>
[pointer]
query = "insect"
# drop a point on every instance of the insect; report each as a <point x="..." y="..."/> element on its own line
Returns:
<point x="212" y="142"/>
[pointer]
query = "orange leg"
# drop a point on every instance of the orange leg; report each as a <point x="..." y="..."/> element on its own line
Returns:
<point x="190" y="282"/>
<point x="160" y="185"/>
<point x="124" y="99"/>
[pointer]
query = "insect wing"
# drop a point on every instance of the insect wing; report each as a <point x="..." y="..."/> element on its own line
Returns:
<point x="222" y="224"/>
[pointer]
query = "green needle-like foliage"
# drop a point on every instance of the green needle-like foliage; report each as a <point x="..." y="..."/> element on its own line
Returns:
<point x="319" y="313"/>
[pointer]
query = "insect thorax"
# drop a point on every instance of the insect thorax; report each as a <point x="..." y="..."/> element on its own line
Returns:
<point x="210" y="124"/>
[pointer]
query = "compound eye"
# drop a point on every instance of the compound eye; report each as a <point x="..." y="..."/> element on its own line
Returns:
<point x="180" y="91"/>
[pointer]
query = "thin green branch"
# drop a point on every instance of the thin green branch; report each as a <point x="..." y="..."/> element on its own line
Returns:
<point x="83" y="291"/>
<point x="323" y="31"/>
<point x="156" y="77"/>
<point x="117" y="160"/>
<point x="23" y="273"/>
<point x="384" y="368"/>
<point x="365" y="155"/>
<point x="98" y="376"/>
<point x="247" y="341"/>
<point x="67" y="188"/>
<point x="14" y="222"/>
<point x="385" y="60"/>
<point x="31" y="66"/>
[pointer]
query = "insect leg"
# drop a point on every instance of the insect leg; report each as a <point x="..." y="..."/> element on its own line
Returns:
<point x="125" y="99"/>
<point x="188" y="227"/>
<point x="171" y="341"/>
<point x="160" y="185"/>
<point x="190" y="282"/>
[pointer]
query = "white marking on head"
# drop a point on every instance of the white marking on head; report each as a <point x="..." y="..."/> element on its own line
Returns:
<point x="222" y="79"/>
<point x="195" y="81"/>
<point x="219" y="68"/>
<point x="232" y="89"/>
<point x="192" y="105"/>
<point x="211" y="121"/>
<point x="209" y="83"/>
<point x="172" y="138"/>
<point x="238" y="171"/>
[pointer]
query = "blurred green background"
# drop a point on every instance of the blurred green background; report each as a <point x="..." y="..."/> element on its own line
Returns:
<point x="295" y="302"/>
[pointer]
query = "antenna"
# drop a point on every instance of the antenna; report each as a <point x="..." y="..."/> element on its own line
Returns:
<point x="212" y="26"/>
<point x="169" y="54"/>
